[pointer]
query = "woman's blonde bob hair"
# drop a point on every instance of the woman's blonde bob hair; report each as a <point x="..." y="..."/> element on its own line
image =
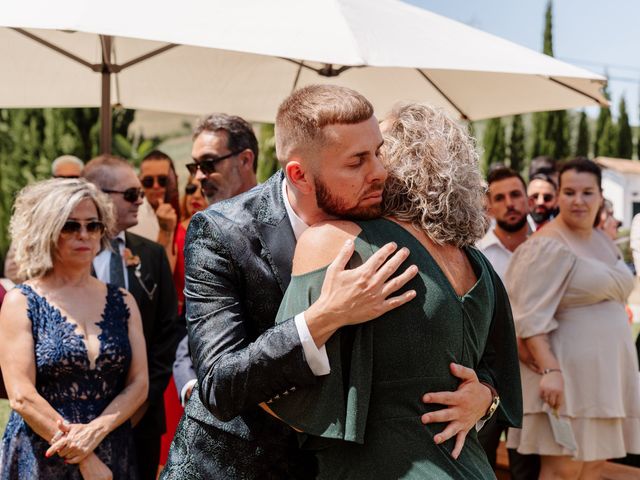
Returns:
<point x="40" y="211"/>
<point x="434" y="178"/>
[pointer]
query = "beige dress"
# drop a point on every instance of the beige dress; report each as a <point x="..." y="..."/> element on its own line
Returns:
<point x="578" y="301"/>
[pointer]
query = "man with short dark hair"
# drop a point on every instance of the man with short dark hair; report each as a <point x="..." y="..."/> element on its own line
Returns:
<point x="542" y="193"/>
<point x="157" y="216"/>
<point x="140" y="266"/>
<point x="222" y="175"/>
<point x="508" y="204"/>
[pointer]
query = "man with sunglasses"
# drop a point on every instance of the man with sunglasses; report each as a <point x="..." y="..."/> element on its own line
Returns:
<point x="542" y="199"/>
<point x="157" y="217"/>
<point x="225" y="156"/>
<point x="140" y="266"/>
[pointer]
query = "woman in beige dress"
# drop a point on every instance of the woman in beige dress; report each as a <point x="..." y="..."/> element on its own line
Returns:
<point x="567" y="286"/>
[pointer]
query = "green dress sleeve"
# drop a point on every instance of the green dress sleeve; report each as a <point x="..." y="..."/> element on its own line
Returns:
<point x="499" y="364"/>
<point x="336" y="406"/>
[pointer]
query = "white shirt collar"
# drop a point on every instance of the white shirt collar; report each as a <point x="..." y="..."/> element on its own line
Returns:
<point x="297" y="224"/>
<point x="489" y="240"/>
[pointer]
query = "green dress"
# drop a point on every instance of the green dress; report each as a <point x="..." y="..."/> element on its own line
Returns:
<point x="363" y="419"/>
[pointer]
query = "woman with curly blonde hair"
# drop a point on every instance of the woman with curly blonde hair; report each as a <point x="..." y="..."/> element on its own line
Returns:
<point x="72" y="350"/>
<point x="370" y="417"/>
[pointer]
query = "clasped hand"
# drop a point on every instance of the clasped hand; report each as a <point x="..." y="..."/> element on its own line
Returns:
<point x="468" y="404"/>
<point x="78" y="441"/>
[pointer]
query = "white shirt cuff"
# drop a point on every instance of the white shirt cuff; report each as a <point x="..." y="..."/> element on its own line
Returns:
<point x="183" y="392"/>
<point x="317" y="358"/>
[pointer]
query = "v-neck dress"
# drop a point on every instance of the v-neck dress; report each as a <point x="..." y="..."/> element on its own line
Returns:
<point x="79" y="393"/>
<point x="363" y="419"/>
<point x="578" y="301"/>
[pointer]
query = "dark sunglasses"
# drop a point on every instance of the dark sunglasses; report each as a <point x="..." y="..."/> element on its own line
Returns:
<point x="132" y="194"/>
<point x="148" y="180"/>
<point x="190" y="189"/>
<point x="207" y="165"/>
<point x="72" y="227"/>
<point x="547" y="197"/>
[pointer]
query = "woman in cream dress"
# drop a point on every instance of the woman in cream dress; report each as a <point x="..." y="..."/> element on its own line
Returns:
<point x="567" y="286"/>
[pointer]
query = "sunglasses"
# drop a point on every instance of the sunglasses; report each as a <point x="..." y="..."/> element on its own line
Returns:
<point x="547" y="197"/>
<point x="207" y="165"/>
<point x="190" y="189"/>
<point x="71" y="227"/>
<point x="132" y="194"/>
<point x="148" y="180"/>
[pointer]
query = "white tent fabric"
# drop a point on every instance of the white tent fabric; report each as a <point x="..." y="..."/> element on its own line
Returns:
<point x="244" y="56"/>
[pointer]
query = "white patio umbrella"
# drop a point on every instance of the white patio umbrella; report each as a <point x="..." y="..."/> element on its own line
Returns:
<point x="245" y="56"/>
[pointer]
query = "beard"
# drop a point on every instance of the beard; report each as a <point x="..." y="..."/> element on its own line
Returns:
<point x="512" y="227"/>
<point x="335" y="206"/>
<point x="541" y="217"/>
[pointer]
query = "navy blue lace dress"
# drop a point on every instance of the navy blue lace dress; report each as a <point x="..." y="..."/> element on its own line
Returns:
<point x="79" y="393"/>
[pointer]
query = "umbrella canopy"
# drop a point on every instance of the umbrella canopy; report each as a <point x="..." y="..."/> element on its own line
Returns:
<point x="244" y="57"/>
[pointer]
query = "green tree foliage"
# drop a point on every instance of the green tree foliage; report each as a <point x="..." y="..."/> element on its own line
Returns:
<point x="582" y="141"/>
<point x="267" y="161"/>
<point x="551" y="134"/>
<point x="516" y="144"/>
<point x="30" y="139"/>
<point x="624" y="142"/>
<point x="607" y="143"/>
<point x="494" y="144"/>
<point x="604" y="117"/>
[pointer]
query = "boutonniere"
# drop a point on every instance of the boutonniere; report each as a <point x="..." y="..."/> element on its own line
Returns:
<point x="131" y="260"/>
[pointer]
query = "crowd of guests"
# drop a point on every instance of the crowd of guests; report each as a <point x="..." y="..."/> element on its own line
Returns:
<point x="552" y="244"/>
<point x="123" y="285"/>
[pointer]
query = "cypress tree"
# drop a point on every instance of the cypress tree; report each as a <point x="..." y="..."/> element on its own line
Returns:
<point x="582" y="142"/>
<point x="516" y="144"/>
<point x="607" y="140"/>
<point x="604" y="117"/>
<point x="494" y="143"/>
<point x="624" y="141"/>
<point x="550" y="129"/>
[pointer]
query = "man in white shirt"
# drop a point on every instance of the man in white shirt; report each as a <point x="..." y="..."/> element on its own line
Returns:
<point x="507" y="203"/>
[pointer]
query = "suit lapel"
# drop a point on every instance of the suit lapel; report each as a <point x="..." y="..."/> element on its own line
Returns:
<point x="274" y="230"/>
<point x="134" y="286"/>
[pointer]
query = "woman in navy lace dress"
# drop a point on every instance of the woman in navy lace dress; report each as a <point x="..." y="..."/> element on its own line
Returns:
<point x="71" y="348"/>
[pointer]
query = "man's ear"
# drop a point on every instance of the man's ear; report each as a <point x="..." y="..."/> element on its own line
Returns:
<point x="247" y="158"/>
<point x="298" y="177"/>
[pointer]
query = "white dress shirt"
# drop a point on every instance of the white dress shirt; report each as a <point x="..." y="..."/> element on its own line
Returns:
<point x="496" y="252"/>
<point x="102" y="260"/>
<point x="316" y="357"/>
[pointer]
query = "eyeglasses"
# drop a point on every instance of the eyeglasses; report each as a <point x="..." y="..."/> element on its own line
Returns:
<point x="190" y="189"/>
<point x="207" y="165"/>
<point x="547" y="197"/>
<point x="132" y="194"/>
<point x="71" y="227"/>
<point x="148" y="180"/>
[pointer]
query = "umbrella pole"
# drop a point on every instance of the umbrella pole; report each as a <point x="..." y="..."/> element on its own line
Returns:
<point x="105" y="105"/>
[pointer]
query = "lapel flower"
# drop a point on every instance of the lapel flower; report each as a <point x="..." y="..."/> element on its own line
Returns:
<point x="131" y="260"/>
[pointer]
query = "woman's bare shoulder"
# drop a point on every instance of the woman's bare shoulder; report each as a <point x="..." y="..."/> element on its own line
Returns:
<point x="319" y="245"/>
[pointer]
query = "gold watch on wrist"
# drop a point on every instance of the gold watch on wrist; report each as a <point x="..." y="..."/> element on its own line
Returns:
<point x="495" y="402"/>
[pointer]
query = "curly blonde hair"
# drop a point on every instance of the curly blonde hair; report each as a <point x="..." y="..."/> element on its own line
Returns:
<point x="39" y="213"/>
<point x="434" y="178"/>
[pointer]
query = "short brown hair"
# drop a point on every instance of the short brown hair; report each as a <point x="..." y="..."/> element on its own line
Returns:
<point x="302" y="116"/>
<point x="100" y="170"/>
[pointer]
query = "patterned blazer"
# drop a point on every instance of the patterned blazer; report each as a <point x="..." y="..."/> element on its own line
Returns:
<point x="238" y="259"/>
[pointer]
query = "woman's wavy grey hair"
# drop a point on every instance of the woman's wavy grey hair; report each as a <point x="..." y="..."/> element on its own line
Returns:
<point x="40" y="211"/>
<point x="434" y="178"/>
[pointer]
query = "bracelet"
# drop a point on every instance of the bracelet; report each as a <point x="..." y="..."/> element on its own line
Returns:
<point x="549" y="370"/>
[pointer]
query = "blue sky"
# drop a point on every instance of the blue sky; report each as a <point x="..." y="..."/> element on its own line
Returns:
<point x="594" y="34"/>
